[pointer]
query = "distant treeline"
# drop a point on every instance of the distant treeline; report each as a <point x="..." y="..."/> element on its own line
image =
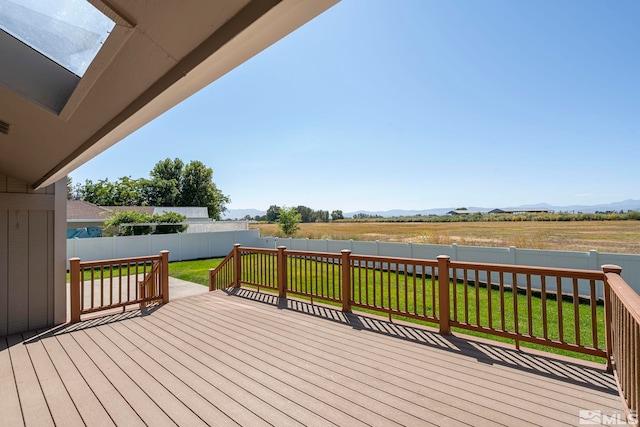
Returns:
<point x="478" y="217"/>
<point x="310" y="215"/>
<point x="306" y="214"/>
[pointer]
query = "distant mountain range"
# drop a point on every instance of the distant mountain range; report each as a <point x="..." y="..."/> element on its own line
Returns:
<point x="625" y="205"/>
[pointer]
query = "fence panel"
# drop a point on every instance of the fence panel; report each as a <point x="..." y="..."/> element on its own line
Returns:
<point x="591" y="260"/>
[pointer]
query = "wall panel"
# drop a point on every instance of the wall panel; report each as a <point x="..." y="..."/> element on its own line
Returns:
<point x="18" y="271"/>
<point x="4" y="279"/>
<point x="38" y="269"/>
<point x="30" y="289"/>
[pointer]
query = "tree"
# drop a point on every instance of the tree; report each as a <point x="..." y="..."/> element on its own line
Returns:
<point x="306" y="214"/>
<point x="198" y="189"/>
<point x="320" y="216"/>
<point x="288" y="221"/>
<point x="273" y="213"/>
<point x="165" y="185"/>
<point x="123" y="192"/>
<point x="337" y="214"/>
<point x="171" y="183"/>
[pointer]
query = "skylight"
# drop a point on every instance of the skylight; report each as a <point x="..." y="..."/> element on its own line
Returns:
<point x="69" y="32"/>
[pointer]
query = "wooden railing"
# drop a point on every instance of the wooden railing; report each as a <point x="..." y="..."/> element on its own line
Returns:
<point x="119" y="283"/>
<point x="585" y="311"/>
<point x="624" y="319"/>
<point x="561" y="317"/>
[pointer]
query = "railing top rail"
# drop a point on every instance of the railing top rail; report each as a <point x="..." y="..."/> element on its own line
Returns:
<point x="395" y="260"/>
<point x="290" y="252"/>
<point x="257" y="250"/>
<point x="222" y="263"/>
<point x="629" y="298"/>
<point x="118" y="261"/>
<point x="541" y="271"/>
<point x="313" y="253"/>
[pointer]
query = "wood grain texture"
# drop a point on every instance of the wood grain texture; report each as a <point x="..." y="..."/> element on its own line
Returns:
<point x="251" y="359"/>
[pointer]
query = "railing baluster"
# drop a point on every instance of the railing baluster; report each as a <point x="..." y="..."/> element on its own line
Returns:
<point x="594" y="315"/>
<point x="433" y="292"/>
<point x="489" y="305"/>
<point x="576" y="311"/>
<point x="396" y="274"/>
<point x="516" y="318"/>
<point x="454" y="278"/>
<point x="414" y="286"/>
<point x="477" y="290"/>
<point x="389" y="289"/>
<point x="502" y="313"/>
<point x="559" y="300"/>
<point x="466" y="295"/>
<point x="543" y="297"/>
<point x="92" y="287"/>
<point x="529" y="306"/>
<point x="424" y="290"/>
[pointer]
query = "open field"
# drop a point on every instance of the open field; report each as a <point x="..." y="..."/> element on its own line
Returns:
<point x="604" y="236"/>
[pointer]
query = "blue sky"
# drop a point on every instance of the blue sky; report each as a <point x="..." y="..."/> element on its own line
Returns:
<point x="418" y="104"/>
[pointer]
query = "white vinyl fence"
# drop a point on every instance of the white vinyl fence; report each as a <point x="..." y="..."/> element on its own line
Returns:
<point x="592" y="260"/>
<point x="181" y="246"/>
<point x="187" y="246"/>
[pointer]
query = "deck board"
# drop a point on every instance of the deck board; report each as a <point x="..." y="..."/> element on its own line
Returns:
<point x="85" y="400"/>
<point x="399" y="392"/>
<point x="10" y="403"/>
<point x="486" y="392"/>
<point x="33" y="404"/>
<point x="149" y="412"/>
<point x="114" y="404"/>
<point x="61" y="406"/>
<point x="250" y="359"/>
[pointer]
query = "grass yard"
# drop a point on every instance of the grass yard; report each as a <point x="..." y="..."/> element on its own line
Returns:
<point x="115" y="271"/>
<point x="604" y="236"/>
<point x="194" y="271"/>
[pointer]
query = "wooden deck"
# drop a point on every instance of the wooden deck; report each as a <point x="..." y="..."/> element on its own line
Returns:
<point x="249" y="359"/>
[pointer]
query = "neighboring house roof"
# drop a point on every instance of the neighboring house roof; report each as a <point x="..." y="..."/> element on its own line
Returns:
<point x="80" y="211"/>
<point x="189" y="212"/>
<point x="144" y="209"/>
<point x="464" y="212"/>
<point x="520" y="210"/>
<point x="77" y="210"/>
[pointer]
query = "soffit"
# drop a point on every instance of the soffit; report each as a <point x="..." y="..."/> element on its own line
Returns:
<point x="161" y="52"/>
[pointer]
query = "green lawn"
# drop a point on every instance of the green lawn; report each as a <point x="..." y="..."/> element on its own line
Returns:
<point x="115" y="271"/>
<point x="193" y="271"/>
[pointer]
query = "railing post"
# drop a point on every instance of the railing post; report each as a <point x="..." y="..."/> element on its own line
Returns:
<point x="609" y="268"/>
<point x="212" y="283"/>
<point x="281" y="262"/>
<point x="237" y="266"/>
<point x="164" y="278"/>
<point x="74" y="284"/>
<point x="346" y="280"/>
<point x="443" y="294"/>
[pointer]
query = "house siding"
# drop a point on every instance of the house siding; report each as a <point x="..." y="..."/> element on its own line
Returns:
<point x="32" y="281"/>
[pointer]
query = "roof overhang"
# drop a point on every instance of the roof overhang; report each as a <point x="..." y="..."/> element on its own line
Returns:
<point x="157" y="55"/>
